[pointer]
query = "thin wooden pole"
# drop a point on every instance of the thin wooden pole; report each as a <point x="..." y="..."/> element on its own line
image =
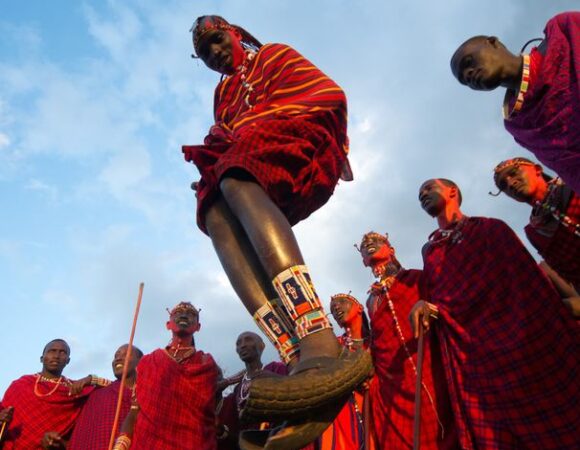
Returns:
<point x="125" y="367"/>
<point x="2" y="432"/>
<point x="418" y="390"/>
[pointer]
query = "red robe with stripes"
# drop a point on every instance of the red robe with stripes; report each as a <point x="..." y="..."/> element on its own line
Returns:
<point x="38" y="413"/>
<point x="392" y="392"/>
<point x="282" y="122"/>
<point x="177" y="403"/>
<point x="511" y="349"/>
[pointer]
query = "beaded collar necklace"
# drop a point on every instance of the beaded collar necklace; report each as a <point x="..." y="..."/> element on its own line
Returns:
<point x="524" y="84"/>
<point x="245" y="387"/>
<point x="453" y="234"/>
<point x="57" y="383"/>
<point x="548" y="206"/>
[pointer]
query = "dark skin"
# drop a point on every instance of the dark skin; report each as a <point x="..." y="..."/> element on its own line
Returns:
<point x="119" y="362"/>
<point x="249" y="347"/>
<point x="54" y="359"/>
<point x="442" y="202"/>
<point x="182" y="324"/>
<point x="483" y="63"/>
<point x="524" y="183"/>
<point x="252" y="238"/>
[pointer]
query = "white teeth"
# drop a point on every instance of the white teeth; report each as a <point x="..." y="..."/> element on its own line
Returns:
<point x="117" y="366"/>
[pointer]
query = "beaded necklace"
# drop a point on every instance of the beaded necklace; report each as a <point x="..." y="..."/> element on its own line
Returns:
<point x="561" y="217"/>
<point x="453" y="234"/>
<point x="57" y="383"/>
<point x="245" y="388"/>
<point x="404" y="344"/>
<point x="521" y="93"/>
<point x="242" y="69"/>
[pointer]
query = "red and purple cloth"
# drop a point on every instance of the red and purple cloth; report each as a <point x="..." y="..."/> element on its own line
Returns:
<point x="509" y="345"/>
<point x="94" y="426"/>
<point x="392" y="391"/>
<point x="288" y="133"/>
<point x="548" y="123"/>
<point x="177" y="402"/>
<point x="35" y="415"/>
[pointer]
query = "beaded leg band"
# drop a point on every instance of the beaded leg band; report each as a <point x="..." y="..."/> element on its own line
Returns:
<point x="278" y="332"/>
<point x="300" y="301"/>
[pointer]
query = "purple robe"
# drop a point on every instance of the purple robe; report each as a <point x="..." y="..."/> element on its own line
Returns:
<point x="548" y="123"/>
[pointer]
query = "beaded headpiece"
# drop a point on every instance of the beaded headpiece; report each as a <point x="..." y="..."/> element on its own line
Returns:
<point x="349" y="297"/>
<point x="370" y="235"/>
<point x="513" y="162"/>
<point x="203" y="24"/>
<point x="183" y="307"/>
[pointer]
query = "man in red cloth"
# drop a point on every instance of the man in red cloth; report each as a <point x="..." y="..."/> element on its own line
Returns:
<point x="394" y="351"/>
<point x="274" y="156"/>
<point x="509" y="345"/>
<point x="46" y="405"/>
<point x="554" y="228"/>
<point x="249" y="347"/>
<point x="542" y="103"/>
<point x="175" y="393"/>
<point x="95" y="423"/>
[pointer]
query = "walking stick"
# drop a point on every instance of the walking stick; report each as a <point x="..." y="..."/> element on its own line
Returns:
<point x="125" y="367"/>
<point x="418" y="390"/>
<point x="2" y="432"/>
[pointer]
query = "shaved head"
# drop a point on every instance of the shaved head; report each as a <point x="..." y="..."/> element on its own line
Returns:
<point x="53" y="341"/>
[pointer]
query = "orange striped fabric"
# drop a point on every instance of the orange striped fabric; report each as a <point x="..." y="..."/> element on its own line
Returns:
<point x="278" y="83"/>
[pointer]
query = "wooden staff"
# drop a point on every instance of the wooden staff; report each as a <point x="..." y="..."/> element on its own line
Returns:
<point x="418" y="390"/>
<point x="2" y="432"/>
<point x="125" y="367"/>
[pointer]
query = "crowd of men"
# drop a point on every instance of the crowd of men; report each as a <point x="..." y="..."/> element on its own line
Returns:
<point x="501" y="352"/>
<point x="498" y="367"/>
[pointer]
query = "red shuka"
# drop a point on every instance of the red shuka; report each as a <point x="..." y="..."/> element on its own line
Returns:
<point x="392" y="391"/>
<point x="177" y="402"/>
<point x="558" y="244"/>
<point x="34" y="415"/>
<point x="548" y="122"/>
<point x="347" y="429"/>
<point x="509" y="345"/>
<point x="288" y="133"/>
<point x="94" y="425"/>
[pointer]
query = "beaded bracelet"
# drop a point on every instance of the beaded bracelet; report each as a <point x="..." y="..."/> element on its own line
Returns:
<point x="123" y="442"/>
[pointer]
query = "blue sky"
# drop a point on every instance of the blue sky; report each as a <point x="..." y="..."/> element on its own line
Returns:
<point x="96" y="99"/>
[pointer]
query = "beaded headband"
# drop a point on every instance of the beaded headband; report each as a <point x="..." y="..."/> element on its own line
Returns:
<point x="183" y="307"/>
<point x="513" y="162"/>
<point x="371" y="235"/>
<point x="347" y="296"/>
<point x="204" y="24"/>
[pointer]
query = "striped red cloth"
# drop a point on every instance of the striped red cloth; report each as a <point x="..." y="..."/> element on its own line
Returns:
<point x="509" y="345"/>
<point x="95" y="423"/>
<point x="547" y="124"/>
<point x="561" y="248"/>
<point x="392" y="392"/>
<point x="288" y="133"/>
<point x="177" y="402"/>
<point x="35" y="415"/>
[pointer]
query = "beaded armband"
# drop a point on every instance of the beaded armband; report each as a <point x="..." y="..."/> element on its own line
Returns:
<point x="98" y="381"/>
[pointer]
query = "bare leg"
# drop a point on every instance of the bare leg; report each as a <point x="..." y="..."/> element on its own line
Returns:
<point x="237" y="257"/>
<point x="275" y="245"/>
